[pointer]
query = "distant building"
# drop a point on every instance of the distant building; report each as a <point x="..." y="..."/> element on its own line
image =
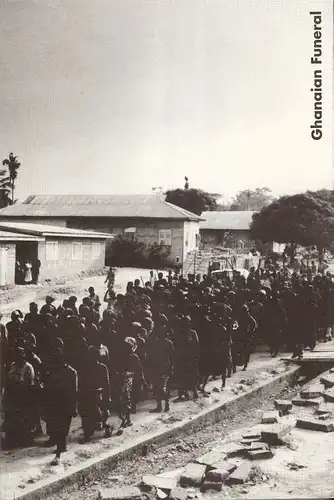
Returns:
<point x="61" y="251"/>
<point x="229" y="229"/>
<point x="146" y="218"/>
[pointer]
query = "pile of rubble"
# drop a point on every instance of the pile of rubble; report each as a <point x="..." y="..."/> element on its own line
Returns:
<point x="232" y="463"/>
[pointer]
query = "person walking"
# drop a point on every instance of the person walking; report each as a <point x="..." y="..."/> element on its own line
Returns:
<point x="60" y="395"/>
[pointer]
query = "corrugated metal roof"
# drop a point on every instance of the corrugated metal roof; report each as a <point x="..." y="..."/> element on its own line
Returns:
<point x="126" y="206"/>
<point x="46" y="230"/>
<point x="227" y="220"/>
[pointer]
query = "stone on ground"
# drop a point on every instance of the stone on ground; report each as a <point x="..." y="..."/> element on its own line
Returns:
<point x="161" y="494"/>
<point x="313" y="391"/>
<point x="224" y="465"/>
<point x="163" y="483"/>
<point x="283" y="406"/>
<point x="329" y="395"/>
<point x="328" y="380"/>
<point x="192" y="475"/>
<point x="252" y="435"/>
<point x="233" y="449"/>
<point x="260" y="454"/>
<point x="275" y="433"/>
<point x="315" y="425"/>
<point x="217" y="475"/>
<point x="178" y="493"/>
<point x="325" y="408"/>
<point x="240" y="475"/>
<point x="211" y="458"/>
<point x="270" y="417"/>
<point x="257" y="445"/>
<point x="307" y="402"/>
<point x="211" y="485"/>
<point x="120" y="493"/>
<point x="325" y="416"/>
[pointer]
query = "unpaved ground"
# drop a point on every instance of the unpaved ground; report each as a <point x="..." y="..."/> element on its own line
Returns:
<point x="304" y="468"/>
<point x="19" y="296"/>
<point x="21" y="468"/>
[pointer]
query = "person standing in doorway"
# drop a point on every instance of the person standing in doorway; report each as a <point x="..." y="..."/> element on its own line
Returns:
<point x="36" y="265"/>
<point x="27" y="272"/>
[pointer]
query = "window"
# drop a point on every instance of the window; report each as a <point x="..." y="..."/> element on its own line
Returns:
<point x="165" y="237"/>
<point x="51" y="250"/>
<point x="96" y="250"/>
<point x="77" y="251"/>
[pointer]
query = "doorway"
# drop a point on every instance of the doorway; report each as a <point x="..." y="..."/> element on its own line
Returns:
<point x="26" y="251"/>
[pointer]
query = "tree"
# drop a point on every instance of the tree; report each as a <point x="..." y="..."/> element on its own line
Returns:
<point x="13" y="165"/>
<point x="301" y="219"/>
<point x="252" y="199"/>
<point x="193" y="200"/>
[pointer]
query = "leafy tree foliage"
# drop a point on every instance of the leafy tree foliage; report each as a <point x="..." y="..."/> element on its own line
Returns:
<point x="193" y="200"/>
<point x="7" y="182"/>
<point x="126" y="252"/>
<point x="301" y="219"/>
<point x="252" y="199"/>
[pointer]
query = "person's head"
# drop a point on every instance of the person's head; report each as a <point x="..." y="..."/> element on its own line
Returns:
<point x="72" y="300"/>
<point x="91" y="290"/>
<point x="93" y="354"/>
<point x="137" y="282"/>
<point x="130" y="345"/>
<point x="160" y="276"/>
<point x="19" y="355"/>
<point x="151" y="274"/>
<point x="15" y="316"/>
<point x="49" y="300"/>
<point x="33" y="307"/>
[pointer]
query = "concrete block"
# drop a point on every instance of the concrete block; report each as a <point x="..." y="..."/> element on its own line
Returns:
<point x="120" y="493"/>
<point x="252" y="435"/>
<point x="257" y="445"/>
<point x="328" y="380"/>
<point x="260" y="454"/>
<point x="225" y="465"/>
<point x="325" y="416"/>
<point x="192" y="475"/>
<point x="211" y="485"/>
<point x="217" y="475"/>
<point x="275" y="432"/>
<point x="315" y="425"/>
<point x="307" y="402"/>
<point x="325" y="408"/>
<point x="233" y="449"/>
<point x="329" y="395"/>
<point x="313" y="391"/>
<point x="163" y="483"/>
<point x="240" y="475"/>
<point x="178" y="493"/>
<point x="211" y="458"/>
<point x="270" y="417"/>
<point x="283" y="406"/>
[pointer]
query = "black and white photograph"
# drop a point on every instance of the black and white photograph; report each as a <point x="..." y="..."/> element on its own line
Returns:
<point x="166" y="249"/>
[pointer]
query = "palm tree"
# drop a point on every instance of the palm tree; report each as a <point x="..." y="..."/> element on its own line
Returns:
<point x="13" y="165"/>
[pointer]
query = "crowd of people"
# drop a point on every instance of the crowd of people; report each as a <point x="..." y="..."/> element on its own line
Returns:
<point x="170" y="332"/>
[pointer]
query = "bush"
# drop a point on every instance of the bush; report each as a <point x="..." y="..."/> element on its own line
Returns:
<point x="124" y="252"/>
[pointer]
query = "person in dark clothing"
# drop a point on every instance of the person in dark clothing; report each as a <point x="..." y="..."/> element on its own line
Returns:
<point x="161" y="362"/>
<point x="131" y="369"/>
<point x="60" y="389"/>
<point x="94" y="393"/>
<point x="243" y="337"/>
<point x="35" y="269"/>
<point x="275" y="323"/>
<point x="48" y="307"/>
<point x="186" y="360"/>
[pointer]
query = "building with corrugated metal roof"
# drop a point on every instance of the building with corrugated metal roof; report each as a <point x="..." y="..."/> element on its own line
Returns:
<point x="146" y="218"/>
<point x="230" y="229"/>
<point x="61" y="251"/>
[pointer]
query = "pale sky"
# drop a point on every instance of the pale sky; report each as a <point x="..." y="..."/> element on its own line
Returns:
<point x="112" y="96"/>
